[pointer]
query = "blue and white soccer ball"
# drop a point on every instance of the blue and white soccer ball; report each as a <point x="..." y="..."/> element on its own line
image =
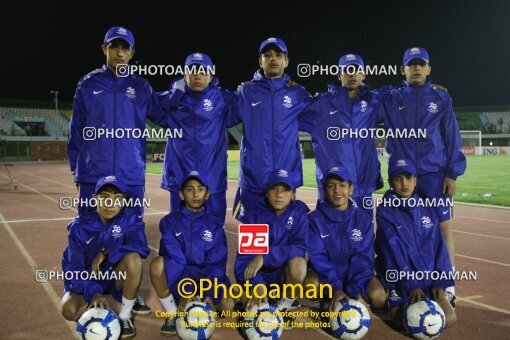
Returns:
<point x="98" y="324"/>
<point x="351" y="320"/>
<point x="424" y="319"/>
<point x="263" y="322"/>
<point x="198" y="322"/>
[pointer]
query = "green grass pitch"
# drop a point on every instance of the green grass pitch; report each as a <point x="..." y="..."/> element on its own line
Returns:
<point x="485" y="181"/>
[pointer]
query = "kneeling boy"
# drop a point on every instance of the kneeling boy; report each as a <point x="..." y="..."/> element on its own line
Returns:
<point x="341" y="242"/>
<point x="288" y="233"/>
<point x="409" y="239"/>
<point x="110" y="240"/>
<point x="193" y="245"/>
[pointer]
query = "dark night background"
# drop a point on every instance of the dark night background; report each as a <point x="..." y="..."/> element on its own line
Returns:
<point x="51" y="45"/>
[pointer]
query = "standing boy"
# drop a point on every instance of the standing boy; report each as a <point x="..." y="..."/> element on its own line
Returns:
<point x="201" y="111"/>
<point x="269" y="110"/>
<point x="111" y="100"/>
<point x="350" y="106"/>
<point x="437" y="157"/>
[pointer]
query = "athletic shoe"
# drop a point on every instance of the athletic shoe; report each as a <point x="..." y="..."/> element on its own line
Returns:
<point x="287" y="319"/>
<point x="128" y="329"/>
<point x="169" y="327"/>
<point x="451" y="298"/>
<point x="140" y="307"/>
<point x="324" y="305"/>
<point x="295" y="305"/>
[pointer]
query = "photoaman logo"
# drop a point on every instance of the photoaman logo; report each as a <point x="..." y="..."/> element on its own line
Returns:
<point x="253" y="239"/>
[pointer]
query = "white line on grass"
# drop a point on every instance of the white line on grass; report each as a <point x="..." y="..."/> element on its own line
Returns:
<point x="480" y="304"/>
<point x="483" y="260"/>
<point x="46" y="285"/>
<point x="482" y="235"/>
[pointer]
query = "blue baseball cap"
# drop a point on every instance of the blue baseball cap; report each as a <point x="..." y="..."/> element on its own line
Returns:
<point x="398" y="165"/>
<point x="281" y="176"/>
<point x="415" y="53"/>
<point x="350" y="59"/>
<point x="193" y="175"/>
<point x="198" y="58"/>
<point x="274" y="41"/>
<point x="119" y="32"/>
<point x="337" y="171"/>
<point x="111" y="180"/>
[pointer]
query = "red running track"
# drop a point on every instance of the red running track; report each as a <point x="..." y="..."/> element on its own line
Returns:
<point x="33" y="236"/>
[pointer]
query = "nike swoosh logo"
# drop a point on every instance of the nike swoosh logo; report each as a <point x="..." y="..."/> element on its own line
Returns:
<point x="255" y="104"/>
<point x="90" y="240"/>
<point x="333" y="112"/>
<point x="178" y="234"/>
<point x="401" y="107"/>
<point x="347" y="321"/>
<point x="399" y="227"/>
<point x="432" y="324"/>
<point x="141" y="216"/>
<point x="324" y="236"/>
<point x="180" y="107"/>
<point x="97" y="92"/>
<point x="445" y="212"/>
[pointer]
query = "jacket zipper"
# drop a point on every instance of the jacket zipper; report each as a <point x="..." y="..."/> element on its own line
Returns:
<point x="114" y="125"/>
<point x="353" y="151"/>
<point x="274" y="132"/>
<point x="195" y="139"/>
<point x="415" y="127"/>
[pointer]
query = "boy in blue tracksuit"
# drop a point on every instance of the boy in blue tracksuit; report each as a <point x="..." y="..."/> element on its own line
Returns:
<point x="438" y="160"/>
<point x="409" y="240"/>
<point x="351" y="105"/>
<point x="268" y="108"/>
<point x="201" y="111"/>
<point x="111" y="240"/>
<point x="111" y="98"/>
<point x="288" y="238"/>
<point x="341" y="241"/>
<point x="193" y="245"/>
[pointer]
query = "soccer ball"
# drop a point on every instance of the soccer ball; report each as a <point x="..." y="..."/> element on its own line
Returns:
<point x="198" y="322"/>
<point x="263" y="322"/>
<point x="424" y="319"/>
<point x="98" y="324"/>
<point x="351" y="320"/>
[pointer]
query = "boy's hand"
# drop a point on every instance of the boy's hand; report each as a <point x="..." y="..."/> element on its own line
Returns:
<point x="449" y="187"/>
<point x="254" y="267"/>
<point x="437" y="294"/>
<point x="253" y="302"/>
<point x="97" y="262"/>
<point x="359" y="298"/>
<point x="99" y="301"/>
<point x="416" y="295"/>
<point x="182" y="304"/>
<point x="337" y="297"/>
<point x="441" y="87"/>
<point x="241" y="85"/>
<point x="180" y="85"/>
<point x="210" y="302"/>
<point x="290" y="83"/>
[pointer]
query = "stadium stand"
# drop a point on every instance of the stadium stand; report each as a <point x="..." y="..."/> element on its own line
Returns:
<point x="54" y="125"/>
<point x="497" y="122"/>
<point x="487" y="120"/>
